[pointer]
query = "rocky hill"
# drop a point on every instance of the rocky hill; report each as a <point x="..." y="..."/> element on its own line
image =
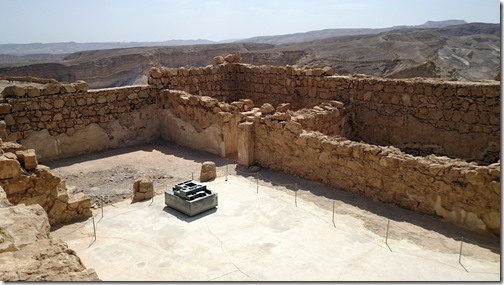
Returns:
<point x="330" y="33"/>
<point x="469" y="51"/>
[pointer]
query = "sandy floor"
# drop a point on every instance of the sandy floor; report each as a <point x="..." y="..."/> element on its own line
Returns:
<point x="254" y="236"/>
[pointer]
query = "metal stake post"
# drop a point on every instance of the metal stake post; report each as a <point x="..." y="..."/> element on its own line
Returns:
<point x="460" y="254"/>
<point x="94" y="230"/>
<point x="257" y="180"/>
<point x="386" y="237"/>
<point x="295" y="193"/>
<point x="192" y="175"/>
<point x="227" y="172"/>
<point x="333" y="203"/>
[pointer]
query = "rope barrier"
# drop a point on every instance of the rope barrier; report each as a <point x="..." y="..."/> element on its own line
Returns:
<point x="264" y="179"/>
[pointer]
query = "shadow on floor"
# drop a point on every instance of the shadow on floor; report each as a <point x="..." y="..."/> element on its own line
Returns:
<point x="167" y="148"/>
<point x="185" y="218"/>
<point x="388" y="211"/>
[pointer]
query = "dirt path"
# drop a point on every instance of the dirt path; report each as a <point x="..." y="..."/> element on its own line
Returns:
<point x="108" y="176"/>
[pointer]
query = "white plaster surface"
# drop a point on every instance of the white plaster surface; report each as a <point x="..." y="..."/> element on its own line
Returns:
<point x="256" y="236"/>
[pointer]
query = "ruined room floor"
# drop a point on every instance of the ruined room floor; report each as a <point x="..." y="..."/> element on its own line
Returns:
<point x="256" y="236"/>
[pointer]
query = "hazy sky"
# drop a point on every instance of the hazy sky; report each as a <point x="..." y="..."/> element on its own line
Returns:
<point x="28" y="21"/>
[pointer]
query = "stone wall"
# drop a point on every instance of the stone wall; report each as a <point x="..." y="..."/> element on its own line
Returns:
<point x="201" y="122"/>
<point x="27" y="182"/>
<point x="304" y="122"/>
<point x="461" y="192"/>
<point x="66" y="123"/>
<point x="423" y="116"/>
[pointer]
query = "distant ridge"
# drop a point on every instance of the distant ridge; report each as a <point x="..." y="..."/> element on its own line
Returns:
<point x="468" y="51"/>
<point x="329" y="33"/>
<point x="71" y="47"/>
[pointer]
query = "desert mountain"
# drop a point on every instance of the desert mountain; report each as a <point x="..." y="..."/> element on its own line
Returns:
<point x="469" y="51"/>
<point x="71" y="47"/>
<point x="330" y="33"/>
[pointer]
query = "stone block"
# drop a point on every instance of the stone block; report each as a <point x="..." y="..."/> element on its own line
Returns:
<point x="267" y="108"/>
<point x="11" y="147"/>
<point x="232" y="58"/>
<point x="218" y="60"/>
<point x="81" y="86"/>
<point x="69" y="88"/>
<point x="155" y="72"/>
<point x="13" y="91"/>
<point x="143" y="189"/>
<point x="51" y="89"/>
<point x="284" y="107"/>
<point x="9" y="168"/>
<point x="32" y="91"/>
<point x="208" y="171"/>
<point x="28" y="158"/>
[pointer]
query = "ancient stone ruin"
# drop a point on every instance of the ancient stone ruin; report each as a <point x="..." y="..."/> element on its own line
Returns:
<point x="428" y="145"/>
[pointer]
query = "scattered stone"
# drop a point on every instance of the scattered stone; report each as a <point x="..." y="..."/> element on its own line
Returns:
<point x="232" y="58"/>
<point x="218" y="60"/>
<point x="254" y="168"/>
<point x="267" y="108"/>
<point x="143" y="189"/>
<point x="336" y="104"/>
<point x="281" y="116"/>
<point x="284" y="107"/>
<point x="9" y="168"/>
<point x="28" y="158"/>
<point x="208" y="171"/>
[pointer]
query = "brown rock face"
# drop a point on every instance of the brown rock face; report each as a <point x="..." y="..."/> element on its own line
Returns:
<point x="208" y="171"/>
<point x="28" y="253"/>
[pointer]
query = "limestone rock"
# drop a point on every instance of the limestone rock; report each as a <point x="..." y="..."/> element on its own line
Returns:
<point x="51" y="89"/>
<point x="69" y="88"/>
<point x="4" y="202"/>
<point x="218" y="60"/>
<point x="267" y="108"/>
<point x="22" y="225"/>
<point x="336" y="104"/>
<point x="9" y="167"/>
<point x="208" y="171"/>
<point x="81" y="86"/>
<point x="32" y="91"/>
<point x="28" y="253"/>
<point x="283" y="107"/>
<point x="254" y="168"/>
<point x="248" y="102"/>
<point x="13" y="91"/>
<point x="328" y="71"/>
<point x="11" y="147"/>
<point x="232" y="58"/>
<point x="143" y="189"/>
<point x="155" y="72"/>
<point x="28" y="158"/>
<point x="281" y="116"/>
